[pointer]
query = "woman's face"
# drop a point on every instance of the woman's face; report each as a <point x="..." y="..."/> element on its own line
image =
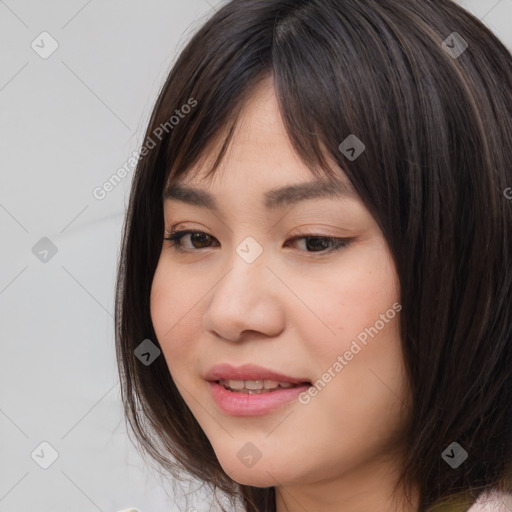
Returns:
<point x="246" y="293"/>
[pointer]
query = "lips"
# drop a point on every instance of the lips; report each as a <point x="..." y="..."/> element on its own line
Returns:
<point x="249" y="374"/>
<point x="251" y="390"/>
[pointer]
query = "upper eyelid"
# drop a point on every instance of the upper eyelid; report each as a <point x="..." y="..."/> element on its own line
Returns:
<point x="302" y="233"/>
<point x="170" y="214"/>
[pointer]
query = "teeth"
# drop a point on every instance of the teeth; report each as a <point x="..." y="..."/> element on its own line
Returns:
<point x="254" y="386"/>
<point x="234" y="384"/>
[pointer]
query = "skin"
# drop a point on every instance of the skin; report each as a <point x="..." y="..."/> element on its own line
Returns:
<point x="294" y="310"/>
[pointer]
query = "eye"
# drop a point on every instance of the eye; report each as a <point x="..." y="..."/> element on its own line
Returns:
<point x="325" y="243"/>
<point x="174" y="237"/>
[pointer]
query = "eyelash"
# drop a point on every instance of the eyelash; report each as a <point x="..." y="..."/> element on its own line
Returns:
<point x="174" y="238"/>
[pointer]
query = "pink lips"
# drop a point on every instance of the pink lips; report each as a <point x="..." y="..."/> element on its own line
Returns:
<point x="244" y="404"/>
<point x="248" y="372"/>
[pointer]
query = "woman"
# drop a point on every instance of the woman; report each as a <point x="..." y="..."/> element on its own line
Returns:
<point x="314" y="292"/>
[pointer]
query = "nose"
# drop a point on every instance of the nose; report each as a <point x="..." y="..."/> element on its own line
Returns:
<point x="247" y="299"/>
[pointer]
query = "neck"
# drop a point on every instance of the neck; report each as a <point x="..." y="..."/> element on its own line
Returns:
<point x="368" y="487"/>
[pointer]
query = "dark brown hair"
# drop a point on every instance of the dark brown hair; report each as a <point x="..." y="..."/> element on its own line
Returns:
<point x="437" y="130"/>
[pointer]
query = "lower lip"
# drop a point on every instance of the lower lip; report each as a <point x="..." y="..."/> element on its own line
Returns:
<point x="245" y="404"/>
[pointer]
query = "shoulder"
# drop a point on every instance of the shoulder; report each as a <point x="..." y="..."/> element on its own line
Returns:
<point x="493" y="501"/>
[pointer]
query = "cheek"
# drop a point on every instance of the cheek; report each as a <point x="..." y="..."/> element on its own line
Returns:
<point x="350" y="299"/>
<point x="362" y="312"/>
<point x="172" y="313"/>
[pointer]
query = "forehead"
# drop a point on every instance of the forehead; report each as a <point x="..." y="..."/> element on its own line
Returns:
<point x="257" y="159"/>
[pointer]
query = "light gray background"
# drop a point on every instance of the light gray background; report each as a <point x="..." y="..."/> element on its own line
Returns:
<point x="68" y="122"/>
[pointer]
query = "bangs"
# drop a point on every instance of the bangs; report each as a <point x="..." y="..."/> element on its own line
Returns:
<point x="310" y="149"/>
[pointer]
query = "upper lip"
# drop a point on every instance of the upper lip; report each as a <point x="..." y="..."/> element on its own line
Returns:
<point x="248" y="372"/>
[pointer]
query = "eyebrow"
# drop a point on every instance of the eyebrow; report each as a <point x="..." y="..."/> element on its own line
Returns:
<point x="273" y="199"/>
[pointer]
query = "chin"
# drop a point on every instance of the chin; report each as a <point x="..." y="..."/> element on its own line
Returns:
<point x="254" y="479"/>
<point x="257" y="476"/>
